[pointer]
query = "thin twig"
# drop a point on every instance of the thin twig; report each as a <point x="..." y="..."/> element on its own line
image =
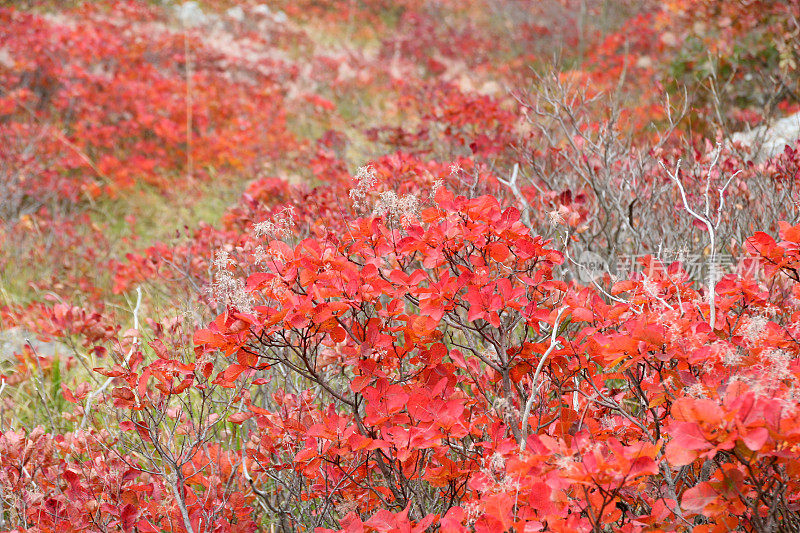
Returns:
<point x="534" y="389"/>
<point x="511" y="183"/>
<point x="108" y="381"/>
<point x="706" y="219"/>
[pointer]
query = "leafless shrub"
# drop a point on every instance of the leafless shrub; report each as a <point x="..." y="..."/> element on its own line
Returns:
<point x="585" y="181"/>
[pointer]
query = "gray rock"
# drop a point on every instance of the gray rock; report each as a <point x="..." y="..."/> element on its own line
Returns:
<point x="280" y="17"/>
<point x="191" y="14"/>
<point x="262" y="10"/>
<point x="766" y="142"/>
<point x="235" y="13"/>
<point x="14" y="340"/>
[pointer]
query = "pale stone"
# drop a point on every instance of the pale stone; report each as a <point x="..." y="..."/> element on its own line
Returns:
<point x="191" y="14"/>
<point x="262" y="9"/>
<point x="236" y="13"/>
<point x="6" y="60"/>
<point x="14" y="340"/>
<point x="767" y="142"/>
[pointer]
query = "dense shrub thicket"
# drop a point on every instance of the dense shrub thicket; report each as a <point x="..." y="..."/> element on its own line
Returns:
<point x="399" y="266"/>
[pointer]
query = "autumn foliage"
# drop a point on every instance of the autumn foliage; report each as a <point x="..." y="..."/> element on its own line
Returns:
<point x="451" y="286"/>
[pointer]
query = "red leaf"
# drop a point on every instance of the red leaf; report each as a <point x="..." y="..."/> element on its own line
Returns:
<point x="233" y="372"/>
<point x="159" y="348"/>
<point x="305" y="454"/>
<point x="498" y="251"/>
<point x="146" y="527"/>
<point x="581" y="314"/>
<point x="338" y="334"/>
<point x="687" y="443"/>
<point x="452" y="522"/>
<point x="238" y="418"/>
<point x="697" y="498"/>
<point x="755" y="438"/>
<point x="68" y="394"/>
<point x="115" y="372"/>
<point x="352" y="523"/>
<point x="622" y="286"/>
<point x="789" y="232"/>
<point x="123" y="395"/>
